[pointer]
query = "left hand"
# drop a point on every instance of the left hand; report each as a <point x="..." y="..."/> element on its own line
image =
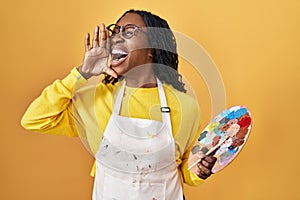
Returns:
<point x="205" y="166"/>
<point x="96" y="55"/>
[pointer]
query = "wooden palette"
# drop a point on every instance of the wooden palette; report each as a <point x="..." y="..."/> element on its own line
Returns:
<point x="224" y="137"/>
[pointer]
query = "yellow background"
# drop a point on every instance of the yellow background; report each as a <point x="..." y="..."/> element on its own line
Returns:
<point x="255" y="44"/>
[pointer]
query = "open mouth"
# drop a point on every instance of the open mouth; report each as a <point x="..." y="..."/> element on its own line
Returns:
<point x="118" y="56"/>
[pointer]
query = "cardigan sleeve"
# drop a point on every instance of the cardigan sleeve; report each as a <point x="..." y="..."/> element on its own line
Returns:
<point x="51" y="112"/>
<point x="192" y="125"/>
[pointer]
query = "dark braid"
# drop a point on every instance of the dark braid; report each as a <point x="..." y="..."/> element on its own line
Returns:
<point x="163" y="48"/>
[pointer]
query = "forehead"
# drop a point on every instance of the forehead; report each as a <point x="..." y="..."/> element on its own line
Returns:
<point x="132" y="18"/>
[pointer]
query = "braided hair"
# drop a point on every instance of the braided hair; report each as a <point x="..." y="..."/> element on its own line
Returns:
<point x="163" y="48"/>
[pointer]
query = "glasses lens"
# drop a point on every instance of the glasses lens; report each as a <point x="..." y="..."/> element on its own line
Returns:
<point x="113" y="29"/>
<point x="129" y="31"/>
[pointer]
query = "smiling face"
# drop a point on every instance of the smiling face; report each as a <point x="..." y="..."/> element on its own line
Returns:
<point x="133" y="52"/>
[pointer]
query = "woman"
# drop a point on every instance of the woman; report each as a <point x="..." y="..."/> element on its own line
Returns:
<point x="138" y="122"/>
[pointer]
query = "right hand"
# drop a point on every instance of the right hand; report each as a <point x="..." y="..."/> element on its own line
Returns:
<point x="96" y="56"/>
<point x="205" y="166"/>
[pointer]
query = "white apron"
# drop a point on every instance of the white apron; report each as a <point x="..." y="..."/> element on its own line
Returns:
<point x="136" y="158"/>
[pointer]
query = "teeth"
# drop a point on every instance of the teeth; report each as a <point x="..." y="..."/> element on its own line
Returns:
<point x="119" y="51"/>
<point x="117" y="54"/>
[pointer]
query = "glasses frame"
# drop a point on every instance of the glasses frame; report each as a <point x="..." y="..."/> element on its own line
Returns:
<point x="122" y="29"/>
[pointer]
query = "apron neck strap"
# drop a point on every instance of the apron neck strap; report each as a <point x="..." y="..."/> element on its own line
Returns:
<point x="163" y="102"/>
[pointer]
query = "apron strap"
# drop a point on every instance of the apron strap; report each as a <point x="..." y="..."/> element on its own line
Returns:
<point x="163" y="101"/>
<point x="165" y="110"/>
<point x="118" y="102"/>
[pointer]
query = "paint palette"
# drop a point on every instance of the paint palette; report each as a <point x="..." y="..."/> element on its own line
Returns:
<point x="224" y="137"/>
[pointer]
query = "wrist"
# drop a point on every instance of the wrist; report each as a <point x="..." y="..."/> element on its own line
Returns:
<point x="83" y="74"/>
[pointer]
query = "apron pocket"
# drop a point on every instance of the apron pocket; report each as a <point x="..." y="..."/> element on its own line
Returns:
<point x="120" y="189"/>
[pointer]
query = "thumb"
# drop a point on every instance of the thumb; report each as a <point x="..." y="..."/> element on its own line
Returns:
<point x="110" y="71"/>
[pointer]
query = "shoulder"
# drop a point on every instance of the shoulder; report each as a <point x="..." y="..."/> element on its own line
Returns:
<point x="95" y="85"/>
<point x="185" y="101"/>
<point x="93" y="91"/>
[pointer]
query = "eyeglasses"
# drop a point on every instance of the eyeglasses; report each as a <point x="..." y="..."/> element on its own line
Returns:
<point x="127" y="31"/>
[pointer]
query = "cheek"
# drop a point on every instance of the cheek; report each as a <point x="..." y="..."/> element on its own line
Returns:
<point x="139" y="57"/>
<point x="138" y="42"/>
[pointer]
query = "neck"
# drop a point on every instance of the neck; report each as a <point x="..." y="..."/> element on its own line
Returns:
<point x="141" y="77"/>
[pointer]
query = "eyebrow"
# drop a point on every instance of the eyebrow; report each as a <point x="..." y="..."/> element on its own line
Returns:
<point x="131" y="24"/>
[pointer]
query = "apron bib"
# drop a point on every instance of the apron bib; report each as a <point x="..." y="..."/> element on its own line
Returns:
<point x="136" y="158"/>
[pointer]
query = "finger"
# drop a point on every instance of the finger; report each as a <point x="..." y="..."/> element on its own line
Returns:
<point x="87" y="43"/>
<point x="203" y="169"/>
<point x="103" y="36"/>
<point x="110" y="71"/>
<point x="96" y="37"/>
<point x="107" y="40"/>
<point x="207" y="164"/>
<point x="210" y="159"/>
<point x="202" y="174"/>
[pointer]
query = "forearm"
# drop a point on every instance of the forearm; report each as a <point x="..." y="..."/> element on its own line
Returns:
<point x="189" y="177"/>
<point x="52" y="110"/>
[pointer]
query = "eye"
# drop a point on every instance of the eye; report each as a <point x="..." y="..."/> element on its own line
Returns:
<point x="129" y="31"/>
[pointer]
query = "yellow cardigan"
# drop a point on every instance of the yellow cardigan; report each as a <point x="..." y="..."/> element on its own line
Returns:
<point x="74" y="106"/>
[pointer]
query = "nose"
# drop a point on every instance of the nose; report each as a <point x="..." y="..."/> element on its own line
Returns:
<point x="117" y="38"/>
